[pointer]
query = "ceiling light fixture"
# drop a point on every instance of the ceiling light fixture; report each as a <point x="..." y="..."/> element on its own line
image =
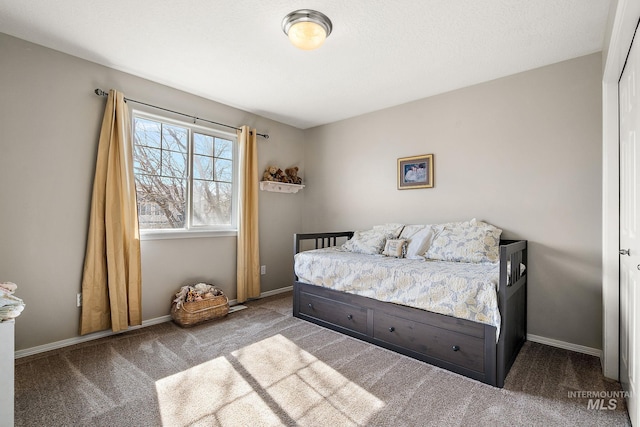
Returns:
<point x="307" y="29"/>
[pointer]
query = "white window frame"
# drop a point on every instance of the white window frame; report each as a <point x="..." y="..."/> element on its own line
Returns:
<point x="191" y="231"/>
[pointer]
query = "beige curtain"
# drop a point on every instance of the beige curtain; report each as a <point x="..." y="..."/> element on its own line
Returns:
<point x="111" y="280"/>
<point x="248" y="238"/>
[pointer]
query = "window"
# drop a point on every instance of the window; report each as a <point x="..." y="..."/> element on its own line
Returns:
<point x="184" y="175"/>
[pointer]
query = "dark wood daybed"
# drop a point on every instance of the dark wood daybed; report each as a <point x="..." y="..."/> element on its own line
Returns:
<point x="458" y="345"/>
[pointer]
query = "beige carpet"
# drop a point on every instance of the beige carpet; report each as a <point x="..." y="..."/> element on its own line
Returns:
<point x="262" y="367"/>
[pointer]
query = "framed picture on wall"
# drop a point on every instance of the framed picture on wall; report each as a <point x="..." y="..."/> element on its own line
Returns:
<point x="415" y="172"/>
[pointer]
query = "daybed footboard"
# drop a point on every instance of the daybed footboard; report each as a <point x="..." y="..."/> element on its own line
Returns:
<point x="512" y="303"/>
<point x="459" y="345"/>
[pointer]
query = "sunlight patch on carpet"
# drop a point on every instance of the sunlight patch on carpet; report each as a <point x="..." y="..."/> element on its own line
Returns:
<point x="306" y="388"/>
<point x="273" y="382"/>
<point x="212" y="393"/>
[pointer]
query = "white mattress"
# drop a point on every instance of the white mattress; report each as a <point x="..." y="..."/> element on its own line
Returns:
<point x="463" y="290"/>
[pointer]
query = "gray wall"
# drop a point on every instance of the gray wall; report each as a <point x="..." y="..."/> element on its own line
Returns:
<point x="49" y="126"/>
<point x="522" y="152"/>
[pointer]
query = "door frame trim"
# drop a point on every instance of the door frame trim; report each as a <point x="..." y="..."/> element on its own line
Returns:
<point x="623" y="18"/>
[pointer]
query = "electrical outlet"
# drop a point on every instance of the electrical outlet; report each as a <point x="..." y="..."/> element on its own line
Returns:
<point x="79" y="299"/>
<point x="263" y="270"/>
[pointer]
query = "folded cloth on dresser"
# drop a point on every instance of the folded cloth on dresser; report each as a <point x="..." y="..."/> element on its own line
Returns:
<point x="8" y="287"/>
<point x="10" y="306"/>
<point x="462" y="290"/>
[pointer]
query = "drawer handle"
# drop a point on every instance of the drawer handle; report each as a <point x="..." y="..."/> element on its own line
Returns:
<point x="349" y="316"/>
<point x="455" y="348"/>
<point x="391" y="329"/>
<point x="310" y="305"/>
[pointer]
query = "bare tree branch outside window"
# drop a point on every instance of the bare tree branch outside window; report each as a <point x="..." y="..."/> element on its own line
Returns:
<point x="161" y="160"/>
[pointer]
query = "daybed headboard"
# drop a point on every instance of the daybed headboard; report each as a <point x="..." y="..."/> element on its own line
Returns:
<point x="322" y="240"/>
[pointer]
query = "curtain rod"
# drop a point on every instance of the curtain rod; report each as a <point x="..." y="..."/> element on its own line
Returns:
<point x="100" y="92"/>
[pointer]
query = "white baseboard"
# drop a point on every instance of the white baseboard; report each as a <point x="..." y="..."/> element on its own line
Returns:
<point x="565" y="345"/>
<point x="84" y="338"/>
<point x="90" y="337"/>
<point x="276" y="292"/>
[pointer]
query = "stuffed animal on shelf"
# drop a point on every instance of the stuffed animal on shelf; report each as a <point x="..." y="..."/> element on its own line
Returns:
<point x="281" y="176"/>
<point x="292" y="174"/>
<point x="270" y="174"/>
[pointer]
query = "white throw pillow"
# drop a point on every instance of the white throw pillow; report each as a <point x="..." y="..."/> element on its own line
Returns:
<point x="419" y="242"/>
<point x="409" y="230"/>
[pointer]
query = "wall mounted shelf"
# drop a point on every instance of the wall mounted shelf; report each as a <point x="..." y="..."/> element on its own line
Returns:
<point x="280" y="187"/>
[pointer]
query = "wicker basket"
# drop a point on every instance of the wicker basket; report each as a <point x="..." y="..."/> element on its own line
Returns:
<point x="192" y="313"/>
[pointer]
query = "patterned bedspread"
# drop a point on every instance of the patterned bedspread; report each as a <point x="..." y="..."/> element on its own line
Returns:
<point x="462" y="290"/>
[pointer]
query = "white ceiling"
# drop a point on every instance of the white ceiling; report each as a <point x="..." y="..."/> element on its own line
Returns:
<point x="381" y="52"/>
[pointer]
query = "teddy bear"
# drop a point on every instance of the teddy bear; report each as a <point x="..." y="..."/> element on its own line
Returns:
<point x="292" y="174"/>
<point x="281" y="176"/>
<point x="270" y="174"/>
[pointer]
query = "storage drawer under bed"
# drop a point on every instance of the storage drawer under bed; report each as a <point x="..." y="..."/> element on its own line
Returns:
<point x="460" y="349"/>
<point x="334" y="312"/>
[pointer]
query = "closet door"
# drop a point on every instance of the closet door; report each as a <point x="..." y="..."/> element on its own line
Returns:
<point x="629" y="238"/>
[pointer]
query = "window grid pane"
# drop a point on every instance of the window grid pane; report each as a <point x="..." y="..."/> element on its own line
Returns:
<point x="203" y="167"/>
<point x="211" y="203"/>
<point x="147" y="133"/>
<point x="223" y="170"/>
<point x="174" y="164"/>
<point x="224" y="148"/>
<point x="174" y="138"/>
<point x="161" y="202"/>
<point x="202" y="144"/>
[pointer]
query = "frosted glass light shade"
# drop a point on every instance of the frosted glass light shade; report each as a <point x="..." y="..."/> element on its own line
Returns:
<point x="307" y="29"/>
<point x="307" y="35"/>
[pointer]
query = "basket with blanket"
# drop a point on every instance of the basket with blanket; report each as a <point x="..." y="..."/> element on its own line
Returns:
<point x="198" y="303"/>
